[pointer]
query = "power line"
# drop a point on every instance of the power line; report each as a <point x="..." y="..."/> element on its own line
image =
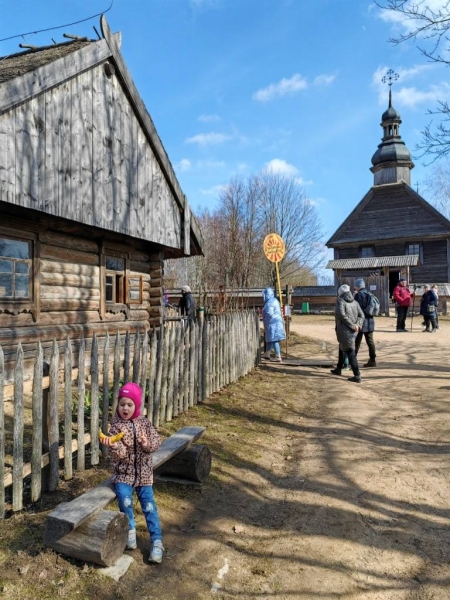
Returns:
<point x="57" y="27"/>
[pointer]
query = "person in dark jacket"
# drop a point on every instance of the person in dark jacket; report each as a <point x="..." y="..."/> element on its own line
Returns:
<point x="428" y="308"/>
<point x="187" y="303"/>
<point x="349" y="320"/>
<point x="362" y="297"/>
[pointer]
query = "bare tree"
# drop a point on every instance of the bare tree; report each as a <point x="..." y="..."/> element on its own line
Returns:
<point x="287" y="210"/>
<point x="429" y="26"/>
<point x="438" y="186"/>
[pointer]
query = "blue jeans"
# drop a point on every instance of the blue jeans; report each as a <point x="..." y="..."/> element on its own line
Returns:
<point x="275" y="346"/>
<point x="147" y="501"/>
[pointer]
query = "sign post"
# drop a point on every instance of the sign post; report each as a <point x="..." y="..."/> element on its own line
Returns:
<point x="274" y="249"/>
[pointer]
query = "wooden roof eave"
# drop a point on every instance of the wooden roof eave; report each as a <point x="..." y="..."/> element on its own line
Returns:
<point x="30" y="84"/>
<point x="147" y="123"/>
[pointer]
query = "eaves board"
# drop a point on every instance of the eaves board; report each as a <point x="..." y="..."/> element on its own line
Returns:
<point x="148" y="125"/>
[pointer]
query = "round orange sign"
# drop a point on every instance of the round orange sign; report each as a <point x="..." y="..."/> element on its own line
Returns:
<point x="274" y="247"/>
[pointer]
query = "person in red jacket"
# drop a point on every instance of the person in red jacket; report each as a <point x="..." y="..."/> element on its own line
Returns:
<point x="403" y="298"/>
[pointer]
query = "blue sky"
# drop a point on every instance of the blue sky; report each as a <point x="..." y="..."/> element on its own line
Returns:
<point x="236" y="85"/>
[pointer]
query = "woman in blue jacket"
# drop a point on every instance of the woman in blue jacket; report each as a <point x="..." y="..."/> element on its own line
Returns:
<point x="273" y="323"/>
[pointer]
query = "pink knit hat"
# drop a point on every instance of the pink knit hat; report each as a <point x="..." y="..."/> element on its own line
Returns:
<point x="134" y="392"/>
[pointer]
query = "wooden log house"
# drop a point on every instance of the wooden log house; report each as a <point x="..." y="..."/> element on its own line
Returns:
<point x="393" y="232"/>
<point x="90" y="206"/>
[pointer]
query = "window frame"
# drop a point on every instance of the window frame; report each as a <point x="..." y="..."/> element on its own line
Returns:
<point x="31" y="304"/>
<point x="114" y="306"/>
<point x="369" y="247"/>
<point x="420" y="252"/>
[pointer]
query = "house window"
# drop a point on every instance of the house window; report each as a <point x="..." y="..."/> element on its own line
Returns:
<point x="366" y="251"/>
<point x="15" y="269"/>
<point x="114" y="280"/>
<point x="413" y="249"/>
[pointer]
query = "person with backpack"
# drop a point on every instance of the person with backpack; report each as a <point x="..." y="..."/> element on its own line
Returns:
<point x="428" y="307"/>
<point x="368" y="303"/>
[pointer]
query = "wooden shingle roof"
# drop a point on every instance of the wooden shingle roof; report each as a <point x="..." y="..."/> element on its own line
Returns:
<point x="374" y="262"/>
<point x="391" y="211"/>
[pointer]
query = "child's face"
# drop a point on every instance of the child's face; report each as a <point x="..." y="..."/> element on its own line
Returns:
<point x="125" y="408"/>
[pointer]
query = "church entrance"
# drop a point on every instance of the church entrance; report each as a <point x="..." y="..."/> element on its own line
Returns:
<point x="394" y="277"/>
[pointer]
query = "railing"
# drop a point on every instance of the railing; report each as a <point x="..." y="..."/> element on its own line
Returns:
<point x="57" y="413"/>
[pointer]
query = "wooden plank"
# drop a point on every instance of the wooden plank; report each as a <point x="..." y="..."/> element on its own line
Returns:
<point x="18" y="429"/>
<point x="70" y="515"/>
<point x="67" y="241"/>
<point x="43" y="78"/>
<point x="68" y="255"/>
<point x="53" y="419"/>
<point x="7" y="158"/>
<point x="2" y="435"/>
<point x="94" y="402"/>
<point x="81" y="462"/>
<point x="68" y="471"/>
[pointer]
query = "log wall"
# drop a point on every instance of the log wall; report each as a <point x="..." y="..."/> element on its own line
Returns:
<point x="68" y="290"/>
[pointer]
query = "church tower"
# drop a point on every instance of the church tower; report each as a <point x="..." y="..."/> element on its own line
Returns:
<point x="392" y="161"/>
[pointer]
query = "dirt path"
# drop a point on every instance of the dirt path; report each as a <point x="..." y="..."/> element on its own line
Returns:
<point x="320" y="489"/>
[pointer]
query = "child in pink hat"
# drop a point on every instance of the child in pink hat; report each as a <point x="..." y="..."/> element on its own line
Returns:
<point x="131" y="460"/>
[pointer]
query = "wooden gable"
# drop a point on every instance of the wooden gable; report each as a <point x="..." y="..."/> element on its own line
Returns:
<point x="77" y="142"/>
<point x="391" y="212"/>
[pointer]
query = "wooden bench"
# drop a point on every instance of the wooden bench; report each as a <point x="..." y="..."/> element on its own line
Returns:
<point x="83" y="530"/>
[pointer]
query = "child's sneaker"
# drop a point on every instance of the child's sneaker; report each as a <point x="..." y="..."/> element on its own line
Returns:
<point x="156" y="552"/>
<point x="132" y="543"/>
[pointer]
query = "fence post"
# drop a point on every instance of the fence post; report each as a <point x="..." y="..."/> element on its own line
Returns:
<point x="105" y="395"/>
<point x="68" y="473"/>
<point x="2" y="435"/>
<point x="81" y="461"/>
<point x="53" y="420"/>
<point x="94" y="402"/>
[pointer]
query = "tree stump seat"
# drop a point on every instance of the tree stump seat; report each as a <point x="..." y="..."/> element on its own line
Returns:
<point x="82" y="529"/>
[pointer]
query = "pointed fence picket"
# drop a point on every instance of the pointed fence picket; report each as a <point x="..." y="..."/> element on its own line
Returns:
<point x="57" y="412"/>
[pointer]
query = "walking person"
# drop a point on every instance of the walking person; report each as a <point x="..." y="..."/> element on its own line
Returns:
<point x="131" y="461"/>
<point x="187" y="303"/>
<point x="403" y="298"/>
<point x="434" y="288"/>
<point x="273" y="324"/>
<point x="428" y="307"/>
<point x="349" y="320"/>
<point x="362" y="297"/>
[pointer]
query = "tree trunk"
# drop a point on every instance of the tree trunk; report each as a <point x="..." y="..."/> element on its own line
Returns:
<point x="101" y="539"/>
<point x="193" y="463"/>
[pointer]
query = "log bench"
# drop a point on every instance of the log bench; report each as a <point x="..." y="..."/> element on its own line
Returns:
<point x="83" y="530"/>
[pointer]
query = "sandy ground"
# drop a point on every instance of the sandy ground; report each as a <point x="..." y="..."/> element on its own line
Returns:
<point x="320" y="488"/>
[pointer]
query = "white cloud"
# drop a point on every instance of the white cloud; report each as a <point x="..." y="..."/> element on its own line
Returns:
<point x="214" y="191"/>
<point x="283" y="88"/>
<point x="413" y="95"/>
<point x="210" y="164"/>
<point x="206" y="139"/>
<point x="278" y="165"/>
<point x="324" y="79"/>
<point x="184" y="164"/>
<point x="209" y="118"/>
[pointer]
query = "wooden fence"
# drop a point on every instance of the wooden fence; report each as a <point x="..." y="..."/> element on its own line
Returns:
<point x="55" y="414"/>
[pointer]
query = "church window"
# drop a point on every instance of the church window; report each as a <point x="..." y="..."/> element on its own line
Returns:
<point x="366" y="251"/>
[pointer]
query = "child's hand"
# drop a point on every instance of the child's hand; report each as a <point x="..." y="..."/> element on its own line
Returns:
<point x="144" y="440"/>
<point x="107" y="441"/>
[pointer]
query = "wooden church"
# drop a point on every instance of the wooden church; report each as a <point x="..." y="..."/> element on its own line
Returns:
<point x="393" y="232"/>
<point x="90" y="206"/>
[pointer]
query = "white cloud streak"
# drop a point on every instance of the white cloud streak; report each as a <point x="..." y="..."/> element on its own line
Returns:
<point x="208" y="139"/>
<point x="288" y="87"/>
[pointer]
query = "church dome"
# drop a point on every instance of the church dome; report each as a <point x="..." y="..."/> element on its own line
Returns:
<point x="391" y="115"/>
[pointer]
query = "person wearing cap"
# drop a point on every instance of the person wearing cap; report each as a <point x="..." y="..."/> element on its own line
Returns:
<point x="187" y="303"/>
<point x="403" y="297"/>
<point x="362" y="297"/>
<point x="349" y="320"/>
<point x="131" y="462"/>
<point x="428" y="308"/>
